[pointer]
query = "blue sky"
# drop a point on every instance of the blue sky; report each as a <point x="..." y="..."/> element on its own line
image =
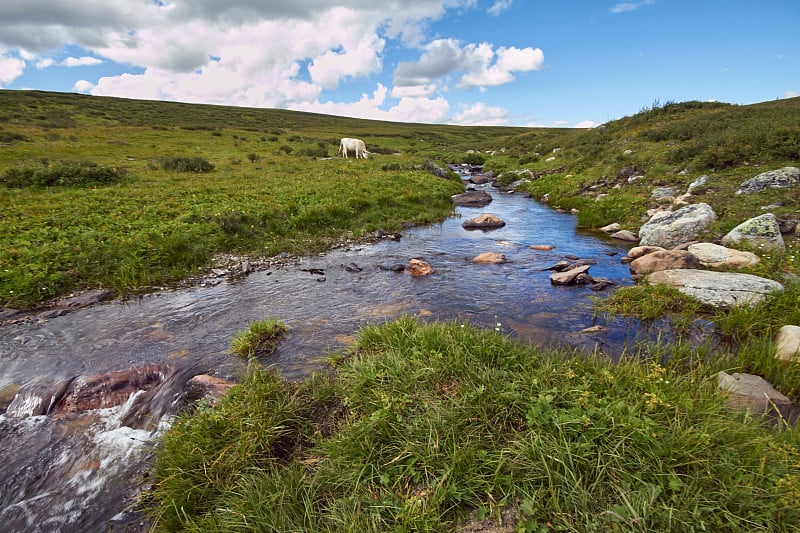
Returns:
<point x="497" y="62"/>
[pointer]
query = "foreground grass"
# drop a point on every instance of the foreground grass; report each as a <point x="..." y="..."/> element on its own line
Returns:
<point x="423" y="426"/>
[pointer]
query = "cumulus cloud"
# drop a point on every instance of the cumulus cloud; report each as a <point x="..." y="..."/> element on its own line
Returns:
<point x="480" y="64"/>
<point x="481" y="114"/>
<point x="11" y="67"/>
<point x="587" y="124"/>
<point x="624" y="7"/>
<point x="265" y="53"/>
<point x="791" y="94"/>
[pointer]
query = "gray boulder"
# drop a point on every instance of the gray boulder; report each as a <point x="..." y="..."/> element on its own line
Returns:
<point x="772" y="179"/>
<point x="483" y="221"/>
<point x="755" y="394"/>
<point x="472" y="199"/>
<point x="717" y="289"/>
<point x="714" y="255"/>
<point x="760" y="232"/>
<point x="670" y="229"/>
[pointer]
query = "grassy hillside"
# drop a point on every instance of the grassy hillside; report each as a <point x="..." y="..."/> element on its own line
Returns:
<point x="128" y="193"/>
<point x="669" y="145"/>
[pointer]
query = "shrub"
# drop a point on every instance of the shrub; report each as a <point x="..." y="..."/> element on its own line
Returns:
<point x="185" y="164"/>
<point x="64" y="174"/>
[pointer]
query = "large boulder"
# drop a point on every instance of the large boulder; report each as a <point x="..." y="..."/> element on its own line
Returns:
<point x="755" y="394"/>
<point x="772" y="179"/>
<point x="670" y="229"/>
<point x="717" y="289"/>
<point x="418" y="267"/>
<point x="760" y="232"/>
<point x="663" y="260"/>
<point x="715" y="256"/>
<point x="472" y="199"/>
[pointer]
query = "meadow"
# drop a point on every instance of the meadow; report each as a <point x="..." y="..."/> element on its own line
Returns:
<point x="420" y="426"/>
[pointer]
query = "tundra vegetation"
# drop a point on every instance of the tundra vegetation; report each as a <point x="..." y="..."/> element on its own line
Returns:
<point x="422" y="426"/>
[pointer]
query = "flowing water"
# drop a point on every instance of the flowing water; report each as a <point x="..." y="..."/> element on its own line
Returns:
<point x="78" y="473"/>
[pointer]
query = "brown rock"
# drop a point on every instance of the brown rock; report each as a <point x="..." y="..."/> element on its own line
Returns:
<point x="493" y="258"/>
<point x="417" y="267"/>
<point x="110" y="389"/>
<point x="483" y="221"/>
<point x="663" y="260"/>
<point x="472" y="199"/>
<point x="208" y="388"/>
<point x="542" y="247"/>
<point x="755" y="394"/>
<point x="638" y="251"/>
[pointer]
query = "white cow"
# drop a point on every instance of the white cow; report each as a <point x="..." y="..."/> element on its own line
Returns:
<point x="355" y="145"/>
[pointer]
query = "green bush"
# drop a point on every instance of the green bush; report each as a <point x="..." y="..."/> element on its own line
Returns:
<point x="185" y="164"/>
<point x="61" y="174"/>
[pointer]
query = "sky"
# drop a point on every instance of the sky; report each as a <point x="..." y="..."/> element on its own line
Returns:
<point x="564" y="63"/>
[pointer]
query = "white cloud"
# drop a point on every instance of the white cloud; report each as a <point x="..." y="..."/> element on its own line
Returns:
<point x="11" y="68"/>
<point x="625" y="7"/>
<point x="481" y="114"/>
<point x="407" y="109"/>
<point x="81" y="61"/>
<point x="499" y="6"/>
<point x="587" y="124"/>
<point x="791" y="94"/>
<point x="560" y="123"/>
<point x="481" y="65"/>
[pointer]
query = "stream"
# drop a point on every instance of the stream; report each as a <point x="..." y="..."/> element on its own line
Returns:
<point x="85" y="471"/>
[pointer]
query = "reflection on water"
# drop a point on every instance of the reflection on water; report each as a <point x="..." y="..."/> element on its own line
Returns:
<point x="324" y="310"/>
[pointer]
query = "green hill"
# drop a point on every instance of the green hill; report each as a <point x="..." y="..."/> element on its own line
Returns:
<point x="99" y="191"/>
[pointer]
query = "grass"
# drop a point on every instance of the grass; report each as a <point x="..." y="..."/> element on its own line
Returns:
<point x="260" y="338"/>
<point x="424" y="427"/>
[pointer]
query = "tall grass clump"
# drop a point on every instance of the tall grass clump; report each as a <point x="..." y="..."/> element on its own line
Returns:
<point x="430" y="427"/>
<point x="260" y="338"/>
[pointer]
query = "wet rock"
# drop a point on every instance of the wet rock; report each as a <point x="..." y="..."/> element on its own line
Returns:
<point x="755" y="394"/>
<point x="714" y="255"/>
<point x="109" y="389"/>
<point x="761" y="232"/>
<point x="37" y="399"/>
<point x="7" y="394"/>
<point x="207" y="388"/>
<point x="572" y="276"/>
<point x="625" y="235"/>
<point x="395" y="267"/>
<point x="352" y="267"/>
<point x="76" y="301"/>
<point x="717" y="289"/>
<point x="472" y="199"/>
<point x="542" y="247"/>
<point x="483" y="221"/>
<point x="663" y="260"/>
<point x="669" y="229"/>
<point x="780" y="178"/>
<point x="479" y="179"/>
<point x="493" y="258"/>
<point x="599" y="284"/>
<point x="418" y="267"/>
<point x="787" y="344"/>
<point x="611" y="228"/>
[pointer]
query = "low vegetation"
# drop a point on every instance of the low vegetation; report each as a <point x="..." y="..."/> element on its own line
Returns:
<point x="421" y="427"/>
<point x="428" y="427"/>
<point x="260" y="338"/>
